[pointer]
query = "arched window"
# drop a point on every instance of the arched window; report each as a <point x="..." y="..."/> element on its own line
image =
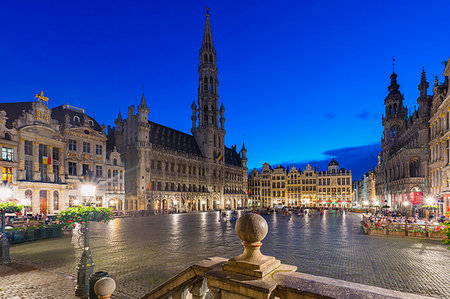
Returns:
<point x="205" y="57"/>
<point x="7" y="136"/>
<point x="395" y="108"/>
<point x="115" y="162"/>
<point x="76" y="119"/>
<point x="390" y="109"/>
<point x="91" y="123"/>
<point x="211" y="58"/>
<point x="55" y="201"/>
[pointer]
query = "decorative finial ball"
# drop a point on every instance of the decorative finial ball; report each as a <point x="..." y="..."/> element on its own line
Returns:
<point x="251" y="228"/>
<point x="105" y="286"/>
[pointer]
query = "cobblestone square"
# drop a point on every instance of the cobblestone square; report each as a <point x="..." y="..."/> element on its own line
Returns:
<point x="140" y="253"/>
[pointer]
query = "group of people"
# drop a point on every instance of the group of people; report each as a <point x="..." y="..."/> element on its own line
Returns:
<point x="383" y="219"/>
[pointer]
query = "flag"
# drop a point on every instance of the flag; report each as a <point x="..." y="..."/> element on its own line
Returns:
<point x="150" y="186"/>
<point x="46" y="160"/>
<point x="219" y="157"/>
<point x="249" y="191"/>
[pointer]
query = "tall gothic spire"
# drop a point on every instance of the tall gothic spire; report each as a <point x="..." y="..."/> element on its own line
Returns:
<point x="207" y="43"/>
<point x="208" y="96"/>
<point x="423" y="86"/>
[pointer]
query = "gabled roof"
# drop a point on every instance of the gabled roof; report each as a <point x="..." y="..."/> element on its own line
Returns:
<point x="59" y="113"/>
<point x="232" y="157"/>
<point x="14" y="110"/>
<point x="173" y="139"/>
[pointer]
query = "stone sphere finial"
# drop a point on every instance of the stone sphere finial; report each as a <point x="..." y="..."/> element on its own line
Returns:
<point x="104" y="287"/>
<point x="251" y="228"/>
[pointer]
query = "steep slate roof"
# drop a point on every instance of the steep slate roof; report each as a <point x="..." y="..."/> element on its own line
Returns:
<point x="59" y="113"/>
<point x="14" y="110"/>
<point x="173" y="139"/>
<point x="232" y="157"/>
<point x="110" y="143"/>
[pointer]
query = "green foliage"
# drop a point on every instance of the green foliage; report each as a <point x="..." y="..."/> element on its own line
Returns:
<point x="444" y="229"/>
<point x="14" y="229"/>
<point x="82" y="214"/>
<point x="417" y="230"/>
<point x="9" y="207"/>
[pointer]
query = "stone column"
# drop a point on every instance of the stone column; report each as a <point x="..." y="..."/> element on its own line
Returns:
<point x="36" y="174"/>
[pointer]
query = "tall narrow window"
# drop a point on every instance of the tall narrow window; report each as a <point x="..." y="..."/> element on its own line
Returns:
<point x="28" y="146"/>
<point x="56" y="201"/>
<point x="28" y="170"/>
<point x="86" y="147"/>
<point x="72" y="145"/>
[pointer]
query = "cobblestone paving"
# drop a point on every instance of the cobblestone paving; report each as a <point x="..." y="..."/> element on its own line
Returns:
<point x="140" y="253"/>
<point x="18" y="281"/>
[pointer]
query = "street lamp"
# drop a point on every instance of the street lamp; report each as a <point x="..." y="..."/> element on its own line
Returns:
<point x="5" y="193"/>
<point x="86" y="265"/>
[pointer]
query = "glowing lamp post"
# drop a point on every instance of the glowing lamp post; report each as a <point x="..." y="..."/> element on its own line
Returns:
<point x="86" y="265"/>
<point x="5" y="193"/>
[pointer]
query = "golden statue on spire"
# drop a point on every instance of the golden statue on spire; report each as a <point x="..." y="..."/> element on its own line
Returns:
<point x="41" y="97"/>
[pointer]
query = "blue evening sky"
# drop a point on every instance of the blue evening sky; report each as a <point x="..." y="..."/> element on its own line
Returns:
<point x="302" y="80"/>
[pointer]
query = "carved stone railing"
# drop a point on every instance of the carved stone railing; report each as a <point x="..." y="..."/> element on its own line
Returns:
<point x="254" y="275"/>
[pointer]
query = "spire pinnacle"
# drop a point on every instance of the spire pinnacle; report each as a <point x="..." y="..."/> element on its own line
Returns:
<point x="393" y="64"/>
<point x="143" y="104"/>
<point x="423" y="86"/>
<point x="207" y="43"/>
<point x="436" y="81"/>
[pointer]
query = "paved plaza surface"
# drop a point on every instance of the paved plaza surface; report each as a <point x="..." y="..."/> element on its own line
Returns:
<point x="141" y="253"/>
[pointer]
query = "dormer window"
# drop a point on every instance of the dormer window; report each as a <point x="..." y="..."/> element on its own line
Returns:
<point x="76" y="119"/>
<point x="7" y="136"/>
<point x="91" y="123"/>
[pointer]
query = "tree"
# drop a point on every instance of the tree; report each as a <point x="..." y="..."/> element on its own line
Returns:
<point x="9" y="207"/>
<point x="82" y="215"/>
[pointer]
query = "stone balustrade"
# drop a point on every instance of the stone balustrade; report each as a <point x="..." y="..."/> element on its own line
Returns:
<point x="254" y="275"/>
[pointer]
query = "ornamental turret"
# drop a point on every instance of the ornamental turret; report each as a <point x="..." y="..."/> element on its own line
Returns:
<point x="143" y="110"/>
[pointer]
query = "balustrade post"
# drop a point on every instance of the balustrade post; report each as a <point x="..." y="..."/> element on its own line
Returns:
<point x="199" y="289"/>
<point x="249" y="274"/>
<point x="406" y="228"/>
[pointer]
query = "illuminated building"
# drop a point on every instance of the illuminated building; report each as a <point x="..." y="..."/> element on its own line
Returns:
<point x="171" y="170"/>
<point x="47" y="153"/>
<point x="307" y="188"/>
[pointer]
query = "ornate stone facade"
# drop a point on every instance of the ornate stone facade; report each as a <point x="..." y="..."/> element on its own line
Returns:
<point x="309" y="188"/>
<point x="172" y="170"/>
<point x="440" y="145"/>
<point x="402" y="171"/>
<point x="47" y="154"/>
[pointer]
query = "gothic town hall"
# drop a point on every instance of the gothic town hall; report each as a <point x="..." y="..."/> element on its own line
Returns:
<point x="170" y="170"/>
